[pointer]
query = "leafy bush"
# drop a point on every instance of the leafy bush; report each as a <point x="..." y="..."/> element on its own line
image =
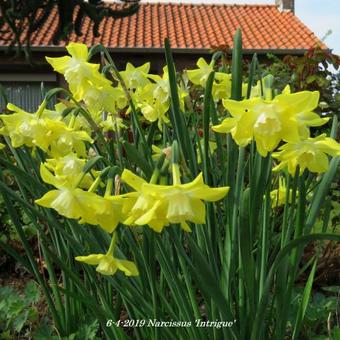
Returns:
<point x="18" y="312"/>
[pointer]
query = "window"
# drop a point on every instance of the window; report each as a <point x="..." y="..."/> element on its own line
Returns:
<point x="27" y="96"/>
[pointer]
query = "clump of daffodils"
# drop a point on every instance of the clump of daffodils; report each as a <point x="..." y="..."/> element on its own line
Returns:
<point x="287" y="119"/>
<point x="99" y="105"/>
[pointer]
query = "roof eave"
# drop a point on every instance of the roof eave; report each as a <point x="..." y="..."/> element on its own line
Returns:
<point x="157" y="50"/>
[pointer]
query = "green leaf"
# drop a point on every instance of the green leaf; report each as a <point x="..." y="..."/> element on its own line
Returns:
<point x="44" y="331"/>
<point x="88" y="331"/>
<point x="304" y="303"/>
<point x="137" y="158"/>
<point x="206" y="121"/>
<point x="176" y="117"/>
<point x="32" y="292"/>
<point x="331" y="289"/>
<point x="320" y="193"/>
<point x="91" y="163"/>
<point x="236" y="67"/>
<point x="19" y="321"/>
<point x="336" y="333"/>
<point x="311" y="78"/>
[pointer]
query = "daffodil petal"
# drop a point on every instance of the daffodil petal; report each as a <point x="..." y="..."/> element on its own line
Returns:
<point x="92" y="259"/>
<point x="128" y="267"/>
<point x="132" y="180"/>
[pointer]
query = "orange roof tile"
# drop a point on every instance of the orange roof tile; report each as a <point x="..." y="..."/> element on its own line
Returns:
<point x="193" y="26"/>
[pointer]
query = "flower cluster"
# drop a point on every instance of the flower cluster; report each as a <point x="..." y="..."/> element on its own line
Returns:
<point x="285" y="118"/>
<point x="41" y="129"/>
<point x="66" y="136"/>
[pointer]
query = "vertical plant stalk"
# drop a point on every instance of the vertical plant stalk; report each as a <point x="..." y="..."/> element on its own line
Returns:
<point x="231" y="245"/>
<point x="176" y="117"/>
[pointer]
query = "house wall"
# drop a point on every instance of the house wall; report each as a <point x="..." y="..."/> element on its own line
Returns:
<point x="40" y="69"/>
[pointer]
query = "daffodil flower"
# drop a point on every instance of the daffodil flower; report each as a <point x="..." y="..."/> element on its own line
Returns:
<point x="136" y="77"/>
<point x="159" y="205"/>
<point x="154" y="98"/>
<point x="68" y="200"/>
<point x="107" y="264"/>
<point x="70" y="169"/>
<point x="69" y="140"/>
<point x="109" y="215"/>
<point x="160" y="90"/>
<point x="25" y="128"/>
<point x="278" y="196"/>
<point x="112" y="123"/>
<point x="221" y="88"/>
<point x="33" y="129"/>
<point x="77" y="71"/>
<point x="155" y="112"/>
<point x="200" y="76"/>
<point x="99" y="98"/>
<point x="286" y="117"/>
<point x="72" y="202"/>
<point x="309" y="154"/>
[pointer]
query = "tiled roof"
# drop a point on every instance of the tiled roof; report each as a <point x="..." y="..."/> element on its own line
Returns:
<point x="194" y="26"/>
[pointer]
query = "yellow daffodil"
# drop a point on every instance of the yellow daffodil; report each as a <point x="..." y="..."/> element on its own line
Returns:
<point x="107" y="264"/>
<point x="155" y="112"/>
<point x="30" y="129"/>
<point x="33" y="129"/>
<point x="310" y="153"/>
<point x="139" y="204"/>
<point x="221" y="88"/>
<point x="159" y="90"/>
<point x="100" y="98"/>
<point x="278" y="196"/>
<point x="159" y="205"/>
<point x="68" y="200"/>
<point x="141" y="209"/>
<point x="109" y="215"/>
<point x="77" y="71"/>
<point x="136" y="77"/>
<point x="72" y="202"/>
<point x="69" y="140"/>
<point x="22" y="127"/>
<point x="154" y="98"/>
<point x="70" y="169"/>
<point x="112" y="123"/>
<point x="286" y="117"/>
<point x="200" y="76"/>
